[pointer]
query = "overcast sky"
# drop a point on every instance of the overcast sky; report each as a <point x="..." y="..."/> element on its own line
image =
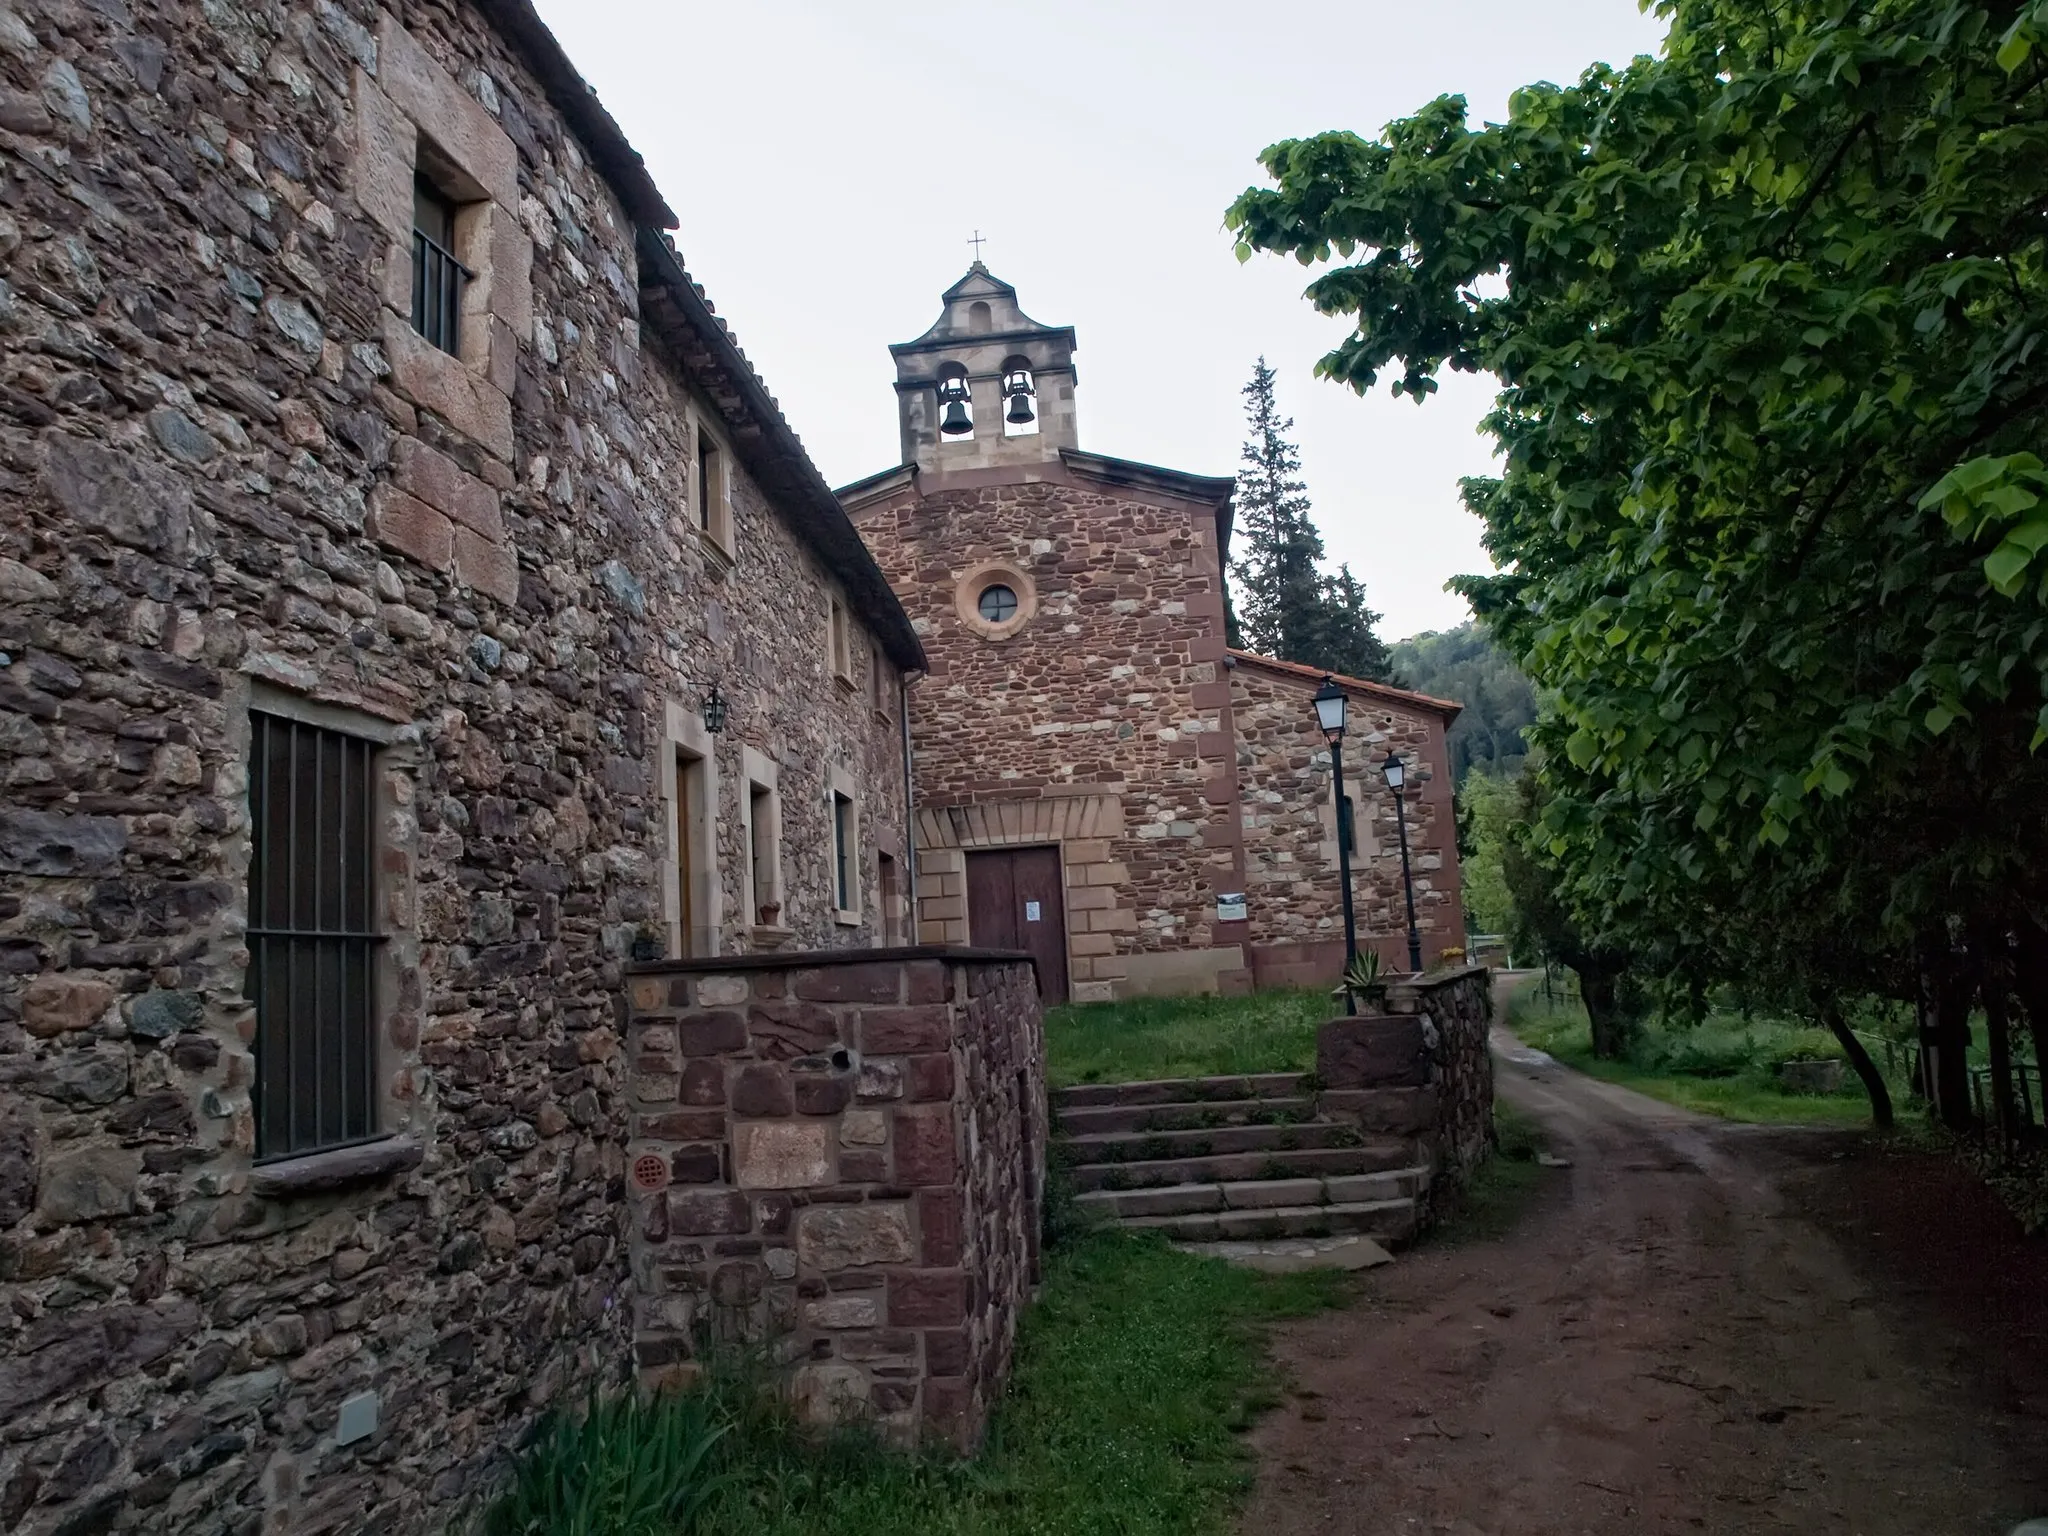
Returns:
<point x="830" y="160"/>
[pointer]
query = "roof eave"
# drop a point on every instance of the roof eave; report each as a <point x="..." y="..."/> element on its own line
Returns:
<point x="610" y="151"/>
<point x="1448" y="708"/>
<point x="772" y="453"/>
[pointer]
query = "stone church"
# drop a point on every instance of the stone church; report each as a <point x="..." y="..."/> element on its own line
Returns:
<point x="1098" y="776"/>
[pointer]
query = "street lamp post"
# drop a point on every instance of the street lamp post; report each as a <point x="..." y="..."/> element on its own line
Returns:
<point x="1396" y="773"/>
<point x="1330" y="709"/>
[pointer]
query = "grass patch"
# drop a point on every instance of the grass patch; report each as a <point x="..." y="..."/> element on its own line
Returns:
<point x="1725" y="1067"/>
<point x="1500" y="1191"/>
<point x="1143" y="1038"/>
<point x="1136" y="1370"/>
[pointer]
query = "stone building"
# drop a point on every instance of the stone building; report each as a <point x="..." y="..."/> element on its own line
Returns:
<point x="413" y="608"/>
<point x="1098" y="777"/>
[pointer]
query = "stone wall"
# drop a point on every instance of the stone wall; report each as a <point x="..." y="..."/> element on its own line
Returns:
<point x="1107" y="686"/>
<point x="1458" y="1006"/>
<point x="1422" y="1070"/>
<point x="843" y="1155"/>
<point x="230" y="476"/>
<point x="1293" y="894"/>
<point x="1108" y="702"/>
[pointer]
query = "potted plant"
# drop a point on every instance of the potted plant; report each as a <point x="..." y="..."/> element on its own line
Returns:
<point x="1362" y="980"/>
<point x="771" y="912"/>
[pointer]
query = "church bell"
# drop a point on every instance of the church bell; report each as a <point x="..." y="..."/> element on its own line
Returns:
<point x="955" y="422"/>
<point x="1017" y="385"/>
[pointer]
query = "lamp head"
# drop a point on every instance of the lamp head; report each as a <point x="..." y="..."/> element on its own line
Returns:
<point x="1395" y="770"/>
<point x="1331" y="705"/>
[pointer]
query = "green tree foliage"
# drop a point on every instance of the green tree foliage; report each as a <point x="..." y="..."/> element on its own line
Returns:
<point x="1282" y="603"/>
<point x="1465" y="665"/>
<point x="1544" y="923"/>
<point x="1488" y="821"/>
<point x="1767" y="313"/>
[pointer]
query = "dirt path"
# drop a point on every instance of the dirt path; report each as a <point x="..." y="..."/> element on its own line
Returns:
<point x="1669" y="1342"/>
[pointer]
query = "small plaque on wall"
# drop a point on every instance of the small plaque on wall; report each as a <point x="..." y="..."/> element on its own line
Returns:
<point x="1230" y="908"/>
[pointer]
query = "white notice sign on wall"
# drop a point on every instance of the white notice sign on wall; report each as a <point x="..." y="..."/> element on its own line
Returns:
<point x="1030" y="911"/>
<point x="1230" y="907"/>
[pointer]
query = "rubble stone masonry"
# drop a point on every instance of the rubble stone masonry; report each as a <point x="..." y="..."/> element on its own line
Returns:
<point x="1107" y="691"/>
<point x="231" y="475"/>
<point x="1095" y="709"/>
<point x="844" y="1157"/>
<point x="1292" y="889"/>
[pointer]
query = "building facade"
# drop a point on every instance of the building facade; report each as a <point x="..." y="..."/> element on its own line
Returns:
<point x="413" y="609"/>
<point x="1099" y="778"/>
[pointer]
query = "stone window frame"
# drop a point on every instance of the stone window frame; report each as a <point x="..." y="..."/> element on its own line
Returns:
<point x="715" y="530"/>
<point x="410" y="116"/>
<point x="758" y="772"/>
<point x="840" y="784"/>
<point x="412" y="119"/>
<point x="839" y="639"/>
<point x="878" y="681"/>
<point x="1364" y="812"/>
<point x="399" y="1126"/>
<point x="684" y="735"/>
<point x="978" y="579"/>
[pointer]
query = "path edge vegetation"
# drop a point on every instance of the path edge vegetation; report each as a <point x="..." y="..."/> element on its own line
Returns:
<point x="1138" y="1369"/>
<point x="1771" y="536"/>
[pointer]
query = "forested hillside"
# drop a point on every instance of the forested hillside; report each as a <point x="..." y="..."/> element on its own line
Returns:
<point x="1465" y="665"/>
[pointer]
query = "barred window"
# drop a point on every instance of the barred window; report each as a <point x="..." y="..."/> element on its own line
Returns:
<point x="312" y="935"/>
<point x="437" y="277"/>
<point x="842" y="852"/>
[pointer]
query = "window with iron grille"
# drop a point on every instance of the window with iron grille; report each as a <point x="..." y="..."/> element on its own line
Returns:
<point x="842" y="852"/>
<point x="437" y="277"/>
<point x="312" y="935"/>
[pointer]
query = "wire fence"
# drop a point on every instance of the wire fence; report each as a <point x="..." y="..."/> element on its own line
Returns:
<point x="2027" y="1101"/>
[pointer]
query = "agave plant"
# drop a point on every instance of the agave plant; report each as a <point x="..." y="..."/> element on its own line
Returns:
<point x="1362" y="978"/>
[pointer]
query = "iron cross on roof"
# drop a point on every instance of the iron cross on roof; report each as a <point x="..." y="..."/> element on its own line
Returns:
<point x="977" y="242"/>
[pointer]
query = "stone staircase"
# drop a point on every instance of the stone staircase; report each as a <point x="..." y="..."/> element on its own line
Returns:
<point x="1225" y="1159"/>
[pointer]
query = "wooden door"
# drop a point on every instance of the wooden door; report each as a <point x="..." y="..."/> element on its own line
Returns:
<point x="1015" y="900"/>
<point x="885" y="882"/>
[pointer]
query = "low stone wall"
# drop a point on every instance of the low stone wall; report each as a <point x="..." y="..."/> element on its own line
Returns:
<point x="1421" y="1070"/>
<point x="1458" y="1005"/>
<point x="842" y="1154"/>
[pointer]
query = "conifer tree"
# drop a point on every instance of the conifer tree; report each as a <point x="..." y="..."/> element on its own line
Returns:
<point x="1284" y="606"/>
<point x="1343" y="638"/>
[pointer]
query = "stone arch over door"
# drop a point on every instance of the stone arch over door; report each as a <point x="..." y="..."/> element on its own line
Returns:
<point x="1082" y="826"/>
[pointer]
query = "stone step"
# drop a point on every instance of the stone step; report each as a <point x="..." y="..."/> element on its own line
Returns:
<point x="1181" y="1090"/>
<point x="1315" y="1162"/>
<point x="1389" y="1221"/>
<point x="1182" y="1114"/>
<point x="1133" y="1146"/>
<point x="1258" y="1195"/>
